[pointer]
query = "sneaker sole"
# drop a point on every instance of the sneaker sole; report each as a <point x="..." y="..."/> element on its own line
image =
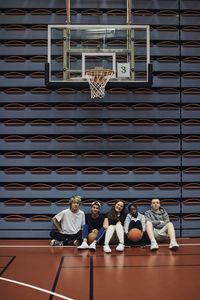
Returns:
<point x="174" y="248"/>
<point x="154" y="249"/>
<point x="107" y="251"/>
<point x="82" y="248"/>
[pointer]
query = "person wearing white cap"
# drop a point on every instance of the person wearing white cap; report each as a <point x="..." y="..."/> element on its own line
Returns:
<point x="94" y="224"/>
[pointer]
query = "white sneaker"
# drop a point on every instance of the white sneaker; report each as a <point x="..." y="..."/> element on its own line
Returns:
<point x="83" y="246"/>
<point x="107" y="249"/>
<point x="154" y="245"/>
<point x="92" y="246"/>
<point x="52" y="242"/>
<point x="56" y="243"/>
<point x="120" y="247"/>
<point x="173" y="245"/>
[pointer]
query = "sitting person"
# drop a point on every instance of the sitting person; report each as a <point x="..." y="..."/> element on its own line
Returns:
<point x="158" y="226"/>
<point x="114" y="223"/>
<point x="69" y="224"/>
<point x="94" y="224"/>
<point x="134" y="219"/>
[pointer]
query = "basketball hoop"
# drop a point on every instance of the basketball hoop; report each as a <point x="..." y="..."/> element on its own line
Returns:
<point x="98" y="79"/>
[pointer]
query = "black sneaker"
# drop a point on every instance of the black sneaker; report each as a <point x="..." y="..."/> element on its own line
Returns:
<point x="56" y="243"/>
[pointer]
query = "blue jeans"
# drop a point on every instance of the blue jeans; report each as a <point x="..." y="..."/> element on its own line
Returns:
<point x="86" y="231"/>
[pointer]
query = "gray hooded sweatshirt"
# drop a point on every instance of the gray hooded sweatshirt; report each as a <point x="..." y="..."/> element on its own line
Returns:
<point x="155" y="218"/>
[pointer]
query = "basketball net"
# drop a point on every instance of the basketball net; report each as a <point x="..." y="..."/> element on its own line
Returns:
<point x="98" y="79"/>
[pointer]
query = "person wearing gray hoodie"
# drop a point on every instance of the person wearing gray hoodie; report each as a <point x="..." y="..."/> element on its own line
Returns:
<point x="159" y="227"/>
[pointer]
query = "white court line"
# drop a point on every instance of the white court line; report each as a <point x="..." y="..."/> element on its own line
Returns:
<point x="36" y="288"/>
<point x="160" y="245"/>
<point x="31" y="246"/>
<point x="35" y="246"/>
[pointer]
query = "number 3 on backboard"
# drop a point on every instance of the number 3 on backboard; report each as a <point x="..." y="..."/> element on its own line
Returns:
<point x="123" y="70"/>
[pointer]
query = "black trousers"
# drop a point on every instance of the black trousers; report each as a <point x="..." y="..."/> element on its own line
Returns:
<point x="67" y="239"/>
<point x="136" y="224"/>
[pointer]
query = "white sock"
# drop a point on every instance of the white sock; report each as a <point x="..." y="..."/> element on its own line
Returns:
<point x="109" y="233"/>
<point x="120" y="233"/>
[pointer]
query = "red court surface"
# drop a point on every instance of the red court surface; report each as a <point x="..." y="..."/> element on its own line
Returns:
<point x="31" y="269"/>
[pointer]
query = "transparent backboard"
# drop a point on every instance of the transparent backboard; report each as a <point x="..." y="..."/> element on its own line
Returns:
<point x="73" y="49"/>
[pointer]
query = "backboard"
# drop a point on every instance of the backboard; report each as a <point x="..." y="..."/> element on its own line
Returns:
<point x="73" y="49"/>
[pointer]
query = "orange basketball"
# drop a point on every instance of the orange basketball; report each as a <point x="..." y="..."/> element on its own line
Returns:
<point x="135" y="235"/>
<point x="91" y="237"/>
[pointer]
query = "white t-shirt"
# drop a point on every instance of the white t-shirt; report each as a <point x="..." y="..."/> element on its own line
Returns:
<point x="71" y="222"/>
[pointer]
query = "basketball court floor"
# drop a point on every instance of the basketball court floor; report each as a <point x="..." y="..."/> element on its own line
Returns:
<point x="31" y="269"/>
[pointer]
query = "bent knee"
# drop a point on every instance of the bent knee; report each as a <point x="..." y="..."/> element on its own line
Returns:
<point x="111" y="227"/>
<point x="149" y="223"/>
<point x="170" y="224"/>
<point x="119" y="224"/>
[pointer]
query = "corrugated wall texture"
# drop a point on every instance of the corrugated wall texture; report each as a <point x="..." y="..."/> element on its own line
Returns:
<point x="131" y="145"/>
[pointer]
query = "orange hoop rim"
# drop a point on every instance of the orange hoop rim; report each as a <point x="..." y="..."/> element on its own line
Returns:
<point x="95" y="72"/>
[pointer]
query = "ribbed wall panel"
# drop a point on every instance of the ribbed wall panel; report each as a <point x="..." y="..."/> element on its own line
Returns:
<point x="160" y="158"/>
